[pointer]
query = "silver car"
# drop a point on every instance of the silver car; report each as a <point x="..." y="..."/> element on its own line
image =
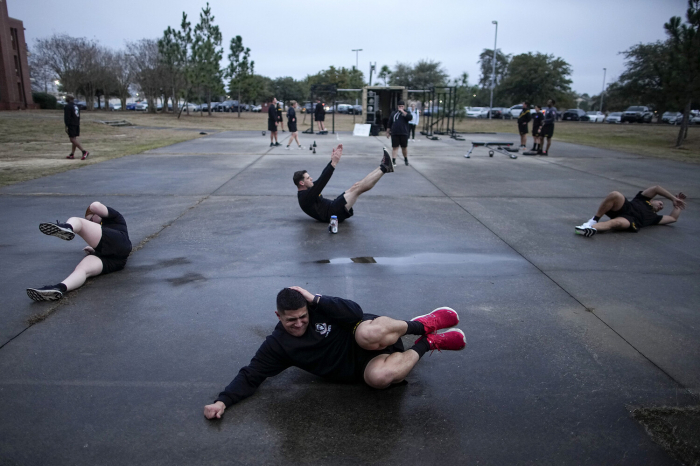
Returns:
<point x="615" y="117"/>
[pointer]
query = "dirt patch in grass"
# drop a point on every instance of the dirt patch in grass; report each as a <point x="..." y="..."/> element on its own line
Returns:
<point x="675" y="429"/>
<point x="34" y="144"/>
<point x="651" y="140"/>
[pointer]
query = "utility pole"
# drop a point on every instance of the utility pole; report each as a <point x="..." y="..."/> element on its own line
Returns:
<point x="602" y="92"/>
<point x="493" y="69"/>
<point x="357" y="57"/>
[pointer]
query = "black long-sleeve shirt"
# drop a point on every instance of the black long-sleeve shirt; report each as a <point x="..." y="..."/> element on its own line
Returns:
<point x="399" y="123"/>
<point x="272" y="113"/>
<point x="524" y="117"/>
<point x="319" y="111"/>
<point x="312" y="202"/>
<point x="291" y="114"/>
<point x="327" y="349"/>
<point x="71" y="114"/>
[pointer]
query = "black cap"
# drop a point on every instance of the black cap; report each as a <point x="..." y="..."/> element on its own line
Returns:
<point x="401" y="102"/>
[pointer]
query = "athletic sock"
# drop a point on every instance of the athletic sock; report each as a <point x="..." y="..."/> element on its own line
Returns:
<point x="61" y="287"/>
<point x="596" y="218"/>
<point x="382" y="168"/>
<point x="415" y="328"/>
<point x="421" y="347"/>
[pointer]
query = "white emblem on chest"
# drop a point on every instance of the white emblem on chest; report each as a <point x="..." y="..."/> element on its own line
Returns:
<point x="323" y="329"/>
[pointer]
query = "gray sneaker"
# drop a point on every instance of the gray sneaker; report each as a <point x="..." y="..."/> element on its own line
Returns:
<point x="386" y="161"/>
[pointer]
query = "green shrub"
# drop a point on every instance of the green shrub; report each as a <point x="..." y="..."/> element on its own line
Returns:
<point x="45" y="101"/>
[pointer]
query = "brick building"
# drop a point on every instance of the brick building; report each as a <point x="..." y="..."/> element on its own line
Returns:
<point x="15" y="88"/>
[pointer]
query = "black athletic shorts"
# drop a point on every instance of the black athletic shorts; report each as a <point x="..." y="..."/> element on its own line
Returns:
<point x="338" y="208"/>
<point x="399" y="140"/>
<point x="547" y="130"/>
<point x="113" y="250"/>
<point x="636" y="218"/>
<point x="363" y="356"/>
<point x="73" y="131"/>
<point x="536" y="131"/>
<point x="292" y="125"/>
<point x="321" y="118"/>
<point x="522" y="128"/>
<point x="271" y="125"/>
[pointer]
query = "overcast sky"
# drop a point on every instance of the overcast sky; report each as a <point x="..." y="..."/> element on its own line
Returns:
<point x="296" y="38"/>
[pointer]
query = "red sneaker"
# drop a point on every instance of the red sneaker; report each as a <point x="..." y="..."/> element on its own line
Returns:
<point x="452" y="340"/>
<point x="85" y="155"/>
<point x="70" y="156"/>
<point x="442" y="317"/>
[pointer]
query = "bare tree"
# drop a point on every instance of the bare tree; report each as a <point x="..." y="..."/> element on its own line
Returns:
<point x="71" y="59"/>
<point x="148" y="69"/>
<point x="41" y="74"/>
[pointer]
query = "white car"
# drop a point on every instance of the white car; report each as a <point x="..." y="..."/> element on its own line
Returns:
<point x="615" y="117"/>
<point x="478" y="112"/>
<point x="595" y="117"/>
<point x="256" y="108"/>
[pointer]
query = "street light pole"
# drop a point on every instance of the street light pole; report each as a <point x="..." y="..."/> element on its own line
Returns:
<point x="603" y="91"/>
<point x="357" y="57"/>
<point x="493" y="69"/>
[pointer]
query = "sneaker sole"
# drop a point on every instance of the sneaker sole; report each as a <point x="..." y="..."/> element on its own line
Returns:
<point x="44" y="295"/>
<point x="390" y="167"/>
<point x="52" y="229"/>
<point x="447" y="308"/>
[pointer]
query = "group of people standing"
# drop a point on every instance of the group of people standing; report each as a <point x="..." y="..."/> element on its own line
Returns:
<point x="542" y="127"/>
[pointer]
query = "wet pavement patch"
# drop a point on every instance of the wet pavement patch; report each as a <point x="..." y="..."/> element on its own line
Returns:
<point x="186" y="279"/>
<point x="675" y="429"/>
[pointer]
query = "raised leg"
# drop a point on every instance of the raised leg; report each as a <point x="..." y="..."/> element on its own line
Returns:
<point x="91" y="232"/>
<point x="618" y="223"/>
<point x="613" y="201"/>
<point x="90" y="266"/>
<point x="360" y="187"/>
<point x="379" y="333"/>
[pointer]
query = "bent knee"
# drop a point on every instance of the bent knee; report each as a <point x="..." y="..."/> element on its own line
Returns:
<point x="379" y="379"/>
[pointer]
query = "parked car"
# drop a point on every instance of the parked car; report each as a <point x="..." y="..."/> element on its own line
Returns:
<point x="476" y="112"/>
<point x="189" y="106"/>
<point x="694" y="119"/>
<point x="80" y="104"/>
<point x="595" y="117"/>
<point x="256" y="108"/>
<point x="344" y="108"/>
<point x="672" y="118"/>
<point x="573" y="114"/>
<point x="159" y="107"/>
<point x="502" y="113"/>
<point x="356" y="110"/>
<point x="115" y="107"/>
<point x="637" y="114"/>
<point x="615" y="117"/>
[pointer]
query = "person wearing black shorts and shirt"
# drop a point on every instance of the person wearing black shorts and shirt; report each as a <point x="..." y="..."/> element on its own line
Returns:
<point x="333" y="338"/>
<point x="71" y="118"/>
<point x="320" y="115"/>
<point x="272" y="122"/>
<point x="550" y="116"/>
<point x="537" y="119"/>
<point x="632" y="215"/>
<point x="523" y="120"/>
<point x="397" y="129"/>
<point x="279" y="116"/>
<point x="292" y="123"/>
<point x="104" y="230"/>
<point x="316" y="206"/>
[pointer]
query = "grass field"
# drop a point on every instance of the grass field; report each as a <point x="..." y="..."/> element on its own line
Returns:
<point x="33" y="143"/>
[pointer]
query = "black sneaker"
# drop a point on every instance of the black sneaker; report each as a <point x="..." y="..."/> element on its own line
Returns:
<point x="386" y="161"/>
<point x="544" y="152"/>
<point x="272" y="145"/>
<point x="532" y="152"/>
<point x="58" y="229"/>
<point x="405" y="161"/>
<point x="47" y="293"/>
<point x="277" y="144"/>
<point x="586" y="232"/>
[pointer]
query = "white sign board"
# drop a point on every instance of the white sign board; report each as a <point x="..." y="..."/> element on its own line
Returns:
<point x="361" y="130"/>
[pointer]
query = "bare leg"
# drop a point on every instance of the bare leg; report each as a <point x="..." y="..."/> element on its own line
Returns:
<point x="76" y="143"/>
<point x="523" y="139"/>
<point x="379" y="333"/>
<point x="90" y="266"/>
<point x="613" y="201"/>
<point x="91" y="232"/>
<point x="360" y="187"/>
<point x="618" y="223"/>
<point x="72" y="149"/>
<point x="549" y="144"/>
<point x="276" y="137"/>
<point x="394" y="152"/>
<point x="404" y="150"/>
<point x="387" y="369"/>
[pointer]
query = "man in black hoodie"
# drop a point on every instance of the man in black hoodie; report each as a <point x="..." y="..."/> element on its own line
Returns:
<point x="272" y="122"/>
<point x="397" y="129"/>
<point x="316" y="206"/>
<point x="320" y="115"/>
<point x="333" y="338"/>
<point x="71" y="118"/>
